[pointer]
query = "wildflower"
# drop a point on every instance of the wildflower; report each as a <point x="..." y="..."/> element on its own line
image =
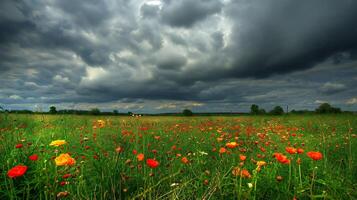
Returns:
<point x="236" y="171"/>
<point x="242" y="157"/>
<point x="184" y="160"/>
<point x="174" y="184"/>
<point x="17" y="171"/>
<point x="119" y="149"/>
<point x="291" y="150"/>
<point x="205" y="182"/>
<point x="279" y="178"/>
<point x="250" y="185"/>
<point x="58" y="143"/>
<point x="222" y="150"/>
<point x="300" y="150"/>
<point x="245" y="173"/>
<point x="261" y="163"/>
<point x="64" y="159"/>
<point x="100" y="123"/>
<point x="33" y="157"/>
<point x="135" y="152"/>
<point x="281" y="158"/>
<point x="66" y="176"/>
<point x="152" y="163"/>
<point x="314" y="155"/>
<point x="140" y="157"/>
<point x="18" y="146"/>
<point x="232" y="145"/>
<point x="62" y="194"/>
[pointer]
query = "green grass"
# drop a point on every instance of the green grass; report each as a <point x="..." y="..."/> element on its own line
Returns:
<point x="101" y="172"/>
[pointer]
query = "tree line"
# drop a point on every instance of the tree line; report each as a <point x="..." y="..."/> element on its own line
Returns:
<point x="324" y="108"/>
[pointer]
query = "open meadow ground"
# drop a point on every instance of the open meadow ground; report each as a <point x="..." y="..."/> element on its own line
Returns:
<point x="241" y="157"/>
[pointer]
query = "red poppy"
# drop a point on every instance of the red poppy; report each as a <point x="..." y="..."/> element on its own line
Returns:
<point x="300" y="150"/>
<point x="18" y="146"/>
<point x="281" y="158"/>
<point x="135" y="152"/>
<point x="33" y="157"/>
<point x="291" y="150"/>
<point x="152" y="163"/>
<point x="66" y="176"/>
<point x="315" y="155"/>
<point x="17" y="171"/>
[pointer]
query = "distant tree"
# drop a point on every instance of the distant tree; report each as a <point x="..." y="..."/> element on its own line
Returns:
<point x="130" y="113"/>
<point x="187" y="112"/>
<point x="95" y="111"/>
<point x="262" y="111"/>
<point x="115" y="112"/>
<point x="327" y="108"/>
<point x="278" y="110"/>
<point x="254" y="109"/>
<point x="53" y="110"/>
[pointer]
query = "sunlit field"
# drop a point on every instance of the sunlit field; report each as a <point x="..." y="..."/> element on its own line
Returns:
<point x="242" y="157"/>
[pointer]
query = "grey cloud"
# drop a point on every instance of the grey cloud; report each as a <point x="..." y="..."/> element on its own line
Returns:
<point x="185" y="13"/>
<point x="274" y="37"/>
<point x="149" y="11"/>
<point x="330" y="88"/>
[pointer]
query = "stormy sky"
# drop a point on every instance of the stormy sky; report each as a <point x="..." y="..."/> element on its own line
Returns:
<point x="165" y="55"/>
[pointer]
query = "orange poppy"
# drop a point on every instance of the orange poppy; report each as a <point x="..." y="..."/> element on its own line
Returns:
<point x="281" y="158"/>
<point x="140" y="157"/>
<point x="242" y="157"/>
<point x="222" y="150"/>
<point x="315" y="155"/>
<point x="184" y="160"/>
<point x="232" y="145"/>
<point x="291" y="150"/>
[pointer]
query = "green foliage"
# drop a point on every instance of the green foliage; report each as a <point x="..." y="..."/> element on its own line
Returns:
<point x="95" y="111"/>
<point x="327" y="108"/>
<point x="53" y="110"/>
<point x="187" y="112"/>
<point x="254" y="109"/>
<point x="277" y="110"/>
<point x="115" y="112"/>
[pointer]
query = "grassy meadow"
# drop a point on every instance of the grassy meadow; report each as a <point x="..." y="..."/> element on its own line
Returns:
<point x="240" y="157"/>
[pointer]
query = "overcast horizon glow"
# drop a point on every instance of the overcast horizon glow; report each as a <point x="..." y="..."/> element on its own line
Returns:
<point x="163" y="56"/>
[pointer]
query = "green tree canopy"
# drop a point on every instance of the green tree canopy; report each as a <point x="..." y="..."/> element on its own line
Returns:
<point x="187" y="112"/>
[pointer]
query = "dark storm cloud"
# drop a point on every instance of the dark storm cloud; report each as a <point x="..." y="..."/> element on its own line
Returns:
<point x="273" y="37"/>
<point x="173" y="53"/>
<point x="185" y="13"/>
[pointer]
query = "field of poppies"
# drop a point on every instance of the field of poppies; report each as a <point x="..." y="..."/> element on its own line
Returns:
<point x="241" y="157"/>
